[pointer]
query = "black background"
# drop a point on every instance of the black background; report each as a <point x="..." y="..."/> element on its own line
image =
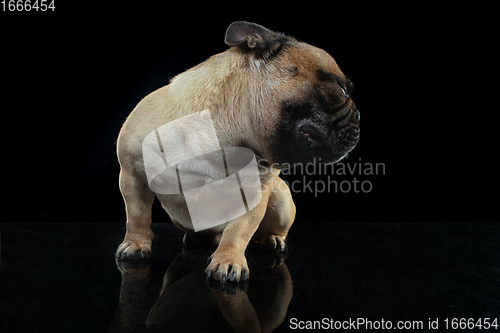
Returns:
<point x="426" y="78"/>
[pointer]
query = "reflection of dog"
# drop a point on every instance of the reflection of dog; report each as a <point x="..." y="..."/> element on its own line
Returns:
<point x="286" y="100"/>
<point x="188" y="304"/>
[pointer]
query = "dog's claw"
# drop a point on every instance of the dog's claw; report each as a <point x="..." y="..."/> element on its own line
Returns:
<point x="209" y="274"/>
<point x="244" y="275"/>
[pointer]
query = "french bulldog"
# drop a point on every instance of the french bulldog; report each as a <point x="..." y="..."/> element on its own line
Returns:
<point x="286" y="100"/>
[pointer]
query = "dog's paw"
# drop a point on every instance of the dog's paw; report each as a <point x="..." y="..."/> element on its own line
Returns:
<point x="275" y="243"/>
<point x="227" y="267"/>
<point x="227" y="291"/>
<point x="131" y="250"/>
<point x="132" y="267"/>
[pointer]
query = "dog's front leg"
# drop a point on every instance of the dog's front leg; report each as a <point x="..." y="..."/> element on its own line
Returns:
<point x="228" y="262"/>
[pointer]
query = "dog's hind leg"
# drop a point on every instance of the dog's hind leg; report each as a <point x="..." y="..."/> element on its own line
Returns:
<point x="279" y="218"/>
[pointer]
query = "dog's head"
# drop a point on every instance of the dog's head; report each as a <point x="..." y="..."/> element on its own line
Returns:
<point x="303" y="107"/>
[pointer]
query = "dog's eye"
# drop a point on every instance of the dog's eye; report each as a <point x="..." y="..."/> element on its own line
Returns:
<point x="344" y="91"/>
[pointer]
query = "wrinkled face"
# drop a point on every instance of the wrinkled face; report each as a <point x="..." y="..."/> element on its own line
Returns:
<point x="318" y="117"/>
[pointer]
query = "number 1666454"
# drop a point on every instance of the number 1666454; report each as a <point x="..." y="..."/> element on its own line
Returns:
<point x="28" y="5"/>
<point x="470" y="323"/>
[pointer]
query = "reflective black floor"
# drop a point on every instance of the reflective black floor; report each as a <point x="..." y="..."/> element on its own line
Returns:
<point x="63" y="278"/>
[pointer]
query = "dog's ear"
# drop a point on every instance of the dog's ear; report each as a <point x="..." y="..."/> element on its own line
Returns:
<point x="251" y="36"/>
